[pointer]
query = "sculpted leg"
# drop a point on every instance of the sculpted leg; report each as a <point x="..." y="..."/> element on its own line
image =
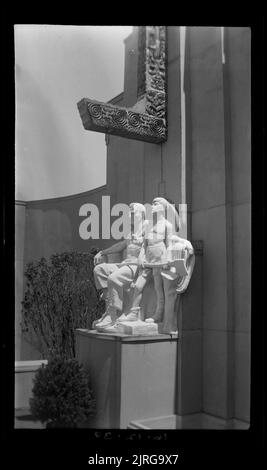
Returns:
<point x="101" y="273"/>
<point x="170" y="311"/>
<point x="158" y="285"/>
<point x="138" y="290"/>
<point x="117" y="282"/>
<point x="119" y="279"/>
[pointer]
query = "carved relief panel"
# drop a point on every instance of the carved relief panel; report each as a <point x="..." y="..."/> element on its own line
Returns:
<point x="150" y="125"/>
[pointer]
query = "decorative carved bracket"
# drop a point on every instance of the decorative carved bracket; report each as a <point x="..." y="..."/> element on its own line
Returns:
<point x="150" y="125"/>
<point x="198" y="247"/>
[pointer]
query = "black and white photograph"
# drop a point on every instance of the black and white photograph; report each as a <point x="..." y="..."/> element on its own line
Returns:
<point x="133" y="221"/>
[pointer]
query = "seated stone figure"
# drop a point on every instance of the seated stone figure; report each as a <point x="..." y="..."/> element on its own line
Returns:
<point x="113" y="278"/>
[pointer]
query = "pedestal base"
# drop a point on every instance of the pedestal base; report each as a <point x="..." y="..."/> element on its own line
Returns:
<point x="138" y="328"/>
<point x="130" y="328"/>
<point x="133" y="377"/>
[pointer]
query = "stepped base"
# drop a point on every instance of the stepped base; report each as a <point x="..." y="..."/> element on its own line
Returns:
<point x="138" y="328"/>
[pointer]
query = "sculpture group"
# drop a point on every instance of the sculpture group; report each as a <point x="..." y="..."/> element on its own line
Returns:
<point x="153" y="250"/>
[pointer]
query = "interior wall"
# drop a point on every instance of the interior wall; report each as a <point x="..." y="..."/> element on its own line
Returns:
<point x="238" y="63"/>
<point x="219" y="106"/>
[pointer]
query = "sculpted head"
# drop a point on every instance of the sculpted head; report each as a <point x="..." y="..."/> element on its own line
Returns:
<point x="162" y="206"/>
<point x="137" y="212"/>
<point x="159" y="205"/>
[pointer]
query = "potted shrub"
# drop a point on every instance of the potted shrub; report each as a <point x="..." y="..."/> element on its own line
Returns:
<point x="62" y="395"/>
<point x="60" y="296"/>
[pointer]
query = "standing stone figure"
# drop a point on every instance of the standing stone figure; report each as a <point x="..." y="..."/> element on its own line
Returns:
<point x="113" y="278"/>
<point x="162" y="246"/>
<point x="158" y="233"/>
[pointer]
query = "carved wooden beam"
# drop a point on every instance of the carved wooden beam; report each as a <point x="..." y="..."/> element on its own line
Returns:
<point x="151" y="124"/>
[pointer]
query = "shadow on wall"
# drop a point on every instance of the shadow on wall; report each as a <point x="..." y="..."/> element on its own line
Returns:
<point x="52" y="225"/>
<point x="48" y="232"/>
